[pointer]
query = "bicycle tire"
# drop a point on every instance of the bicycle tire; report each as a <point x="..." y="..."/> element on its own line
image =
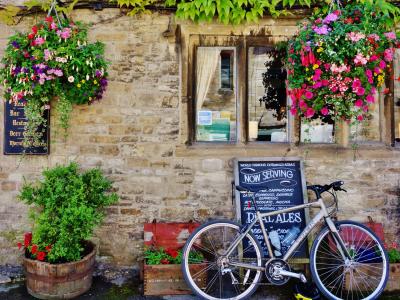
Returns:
<point x="348" y="276"/>
<point x="224" y="291"/>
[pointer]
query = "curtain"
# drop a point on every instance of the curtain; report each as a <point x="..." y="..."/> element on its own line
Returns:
<point x="207" y="63"/>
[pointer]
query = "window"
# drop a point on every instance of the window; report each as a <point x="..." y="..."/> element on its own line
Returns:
<point x="267" y="100"/>
<point x="215" y="95"/>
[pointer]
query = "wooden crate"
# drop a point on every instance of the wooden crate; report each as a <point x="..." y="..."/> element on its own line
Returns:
<point x="161" y="280"/>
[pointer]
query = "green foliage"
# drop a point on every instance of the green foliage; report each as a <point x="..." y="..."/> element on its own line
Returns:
<point x="394" y="255"/>
<point x="67" y="206"/>
<point x="52" y="61"/>
<point x="8" y="14"/>
<point x="160" y="256"/>
<point x="225" y="11"/>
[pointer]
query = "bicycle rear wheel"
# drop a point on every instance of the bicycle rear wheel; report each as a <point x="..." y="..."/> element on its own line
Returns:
<point x="363" y="276"/>
<point x="217" y="277"/>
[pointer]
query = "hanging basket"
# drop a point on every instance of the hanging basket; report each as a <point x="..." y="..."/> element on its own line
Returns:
<point x="338" y="61"/>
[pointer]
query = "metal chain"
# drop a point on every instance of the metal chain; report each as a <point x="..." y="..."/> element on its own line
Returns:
<point x="335" y="3"/>
<point x="53" y="8"/>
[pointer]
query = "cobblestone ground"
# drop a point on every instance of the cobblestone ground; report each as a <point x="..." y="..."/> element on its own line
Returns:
<point x="102" y="290"/>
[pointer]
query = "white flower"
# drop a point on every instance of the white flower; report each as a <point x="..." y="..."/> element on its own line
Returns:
<point x="87" y="77"/>
<point x="71" y="79"/>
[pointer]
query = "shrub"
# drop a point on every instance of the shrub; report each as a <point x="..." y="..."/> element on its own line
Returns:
<point x="68" y="205"/>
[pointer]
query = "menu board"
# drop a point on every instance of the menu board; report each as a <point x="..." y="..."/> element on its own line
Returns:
<point x="14" y="128"/>
<point x="282" y="185"/>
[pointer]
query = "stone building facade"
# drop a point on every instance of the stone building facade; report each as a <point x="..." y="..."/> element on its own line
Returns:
<point x="140" y="136"/>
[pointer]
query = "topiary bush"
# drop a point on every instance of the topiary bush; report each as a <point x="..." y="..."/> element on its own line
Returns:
<point x="68" y="204"/>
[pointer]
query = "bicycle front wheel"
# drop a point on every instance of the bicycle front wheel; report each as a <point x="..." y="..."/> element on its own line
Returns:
<point x="362" y="276"/>
<point x="212" y="274"/>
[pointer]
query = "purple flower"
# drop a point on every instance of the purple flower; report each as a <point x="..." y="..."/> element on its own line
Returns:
<point x="103" y="82"/>
<point x="15" y="44"/>
<point x="330" y="18"/>
<point x="98" y="73"/>
<point x="323" y="30"/>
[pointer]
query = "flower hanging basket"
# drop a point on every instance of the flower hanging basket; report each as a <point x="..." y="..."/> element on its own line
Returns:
<point x="52" y="61"/>
<point x="338" y="61"/>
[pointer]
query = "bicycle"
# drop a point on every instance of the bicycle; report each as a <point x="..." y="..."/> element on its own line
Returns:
<point x="347" y="260"/>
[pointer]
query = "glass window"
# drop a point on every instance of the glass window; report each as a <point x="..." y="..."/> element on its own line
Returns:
<point x="215" y="96"/>
<point x="318" y="130"/>
<point x="267" y="100"/>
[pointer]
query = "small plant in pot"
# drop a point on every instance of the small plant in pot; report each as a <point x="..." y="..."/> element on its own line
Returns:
<point x="67" y="205"/>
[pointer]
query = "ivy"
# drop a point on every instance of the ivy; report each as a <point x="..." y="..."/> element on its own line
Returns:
<point x="225" y="11"/>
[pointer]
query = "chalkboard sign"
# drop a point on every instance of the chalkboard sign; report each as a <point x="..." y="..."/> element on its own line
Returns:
<point x="282" y="180"/>
<point x="14" y="124"/>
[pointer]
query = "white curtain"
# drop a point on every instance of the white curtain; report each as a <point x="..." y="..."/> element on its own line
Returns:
<point x="207" y="62"/>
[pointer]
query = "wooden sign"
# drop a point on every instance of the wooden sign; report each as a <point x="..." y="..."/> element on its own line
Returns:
<point x="14" y="124"/>
<point x="282" y="180"/>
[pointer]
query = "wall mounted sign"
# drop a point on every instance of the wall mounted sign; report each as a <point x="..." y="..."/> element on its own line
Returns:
<point x="284" y="184"/>
<point x="14" y="123"/>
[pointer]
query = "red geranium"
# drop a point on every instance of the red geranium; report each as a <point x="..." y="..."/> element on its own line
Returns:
<point x="165" y="261"/>
<point x="41" y="255"/>
<point x="27" y="239"/>
<point x="19" y="244"/>
<point x="171" y="252"/>
<point x="34" y="249"/>
<point x="48" y="248"/>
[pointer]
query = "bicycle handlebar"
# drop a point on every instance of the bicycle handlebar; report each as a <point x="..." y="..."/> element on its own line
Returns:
<point x="319" y="189"/>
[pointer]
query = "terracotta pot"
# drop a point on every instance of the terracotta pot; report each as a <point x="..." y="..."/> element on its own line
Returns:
<point x="60" y="281"/>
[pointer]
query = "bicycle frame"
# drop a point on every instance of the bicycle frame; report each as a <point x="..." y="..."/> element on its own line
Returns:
<point x="322" y="214"/>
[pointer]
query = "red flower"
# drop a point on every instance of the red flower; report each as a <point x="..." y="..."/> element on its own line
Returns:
<point x="31" y="36"/>
<point x="27" y="239"/>
<point x="19" y="245"/>
<point x="386" y="91"/>
<point x="49" y="19"/>
<point x="34" y="249"/>
<point x="34" y="29"/>
<point x="41" y="255"/>
<point x="48" y="248"/>
<point x="165" y="261"/>
<point x="172" y="252"/>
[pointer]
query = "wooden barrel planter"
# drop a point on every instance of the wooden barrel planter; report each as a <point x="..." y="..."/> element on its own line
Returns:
<point x="60" y="281"/>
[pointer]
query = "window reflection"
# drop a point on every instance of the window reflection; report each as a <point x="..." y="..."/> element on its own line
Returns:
<point x="215" y="96"/>
<point x="267" y="95"/>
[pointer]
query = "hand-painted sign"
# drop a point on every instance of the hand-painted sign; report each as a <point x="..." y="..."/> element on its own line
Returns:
<point x="281" y="184"/>
<point x="14" y="128"/>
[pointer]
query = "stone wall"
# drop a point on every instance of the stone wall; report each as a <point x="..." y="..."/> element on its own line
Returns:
<point x="136" y="135"/>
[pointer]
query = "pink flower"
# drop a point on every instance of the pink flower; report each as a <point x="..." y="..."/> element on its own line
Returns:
<point x="382" y="64"/>
<point x="374" y="36"/>
<point x="302" y="104"/>
<point x="358" y="103"/>
<point x="47" y="54"/>
<point x="356" y="83"/>
<point x="64" y="34"/>
<point x="317" y="74"/>
<point x="360" y="91"/>
<point x="390" y="35"/>
<point x="370" y="98"/>
<point x="324" y="111"/>
<point x="327" y="66"/>
<point x="323" y="30"/>
<point x="368" y="73"/>
<point x="388" y="54"/>
<point x="53" y="26"/>
<point x="360" y="59"/>
<point x="373" y="91"/>
<point x="317" y="85"/>
<point x="293" y="111"/>
<point x="374" y="57"/>
<point x="330" y="18"/>
<point x="39" y="41"/>
<point x="360" y="118"/>
<point x="58" y="72"/>
<point x="309" y="112"/>
<point x="308" y="95"/>
<point x="377" y="70"/>
<point x="325" y="82"/>
<point x="365" y="108"/>
<point x="355" y="36"/>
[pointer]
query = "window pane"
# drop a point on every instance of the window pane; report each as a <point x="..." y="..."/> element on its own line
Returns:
<point x="215" y="106"/>
<point x="369" y="129"/>
<point x="267" y="95"/>
<point x="318" y="131"/>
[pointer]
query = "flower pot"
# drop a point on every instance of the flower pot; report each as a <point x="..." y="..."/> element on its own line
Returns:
<point x="160" y="280"/>
<point x="394" y="278"/>
<point x="60" y="281"/>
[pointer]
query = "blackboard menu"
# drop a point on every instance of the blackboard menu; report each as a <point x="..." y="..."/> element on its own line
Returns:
<point x="281" y="184"/>
<point x="14" y="124"/>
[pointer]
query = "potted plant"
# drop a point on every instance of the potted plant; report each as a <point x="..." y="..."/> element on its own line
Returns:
<point x="394" y="266"/>
<point x="339" y="59"/>
<point x="163" y="274"/>
<point x="67" y="205"/>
